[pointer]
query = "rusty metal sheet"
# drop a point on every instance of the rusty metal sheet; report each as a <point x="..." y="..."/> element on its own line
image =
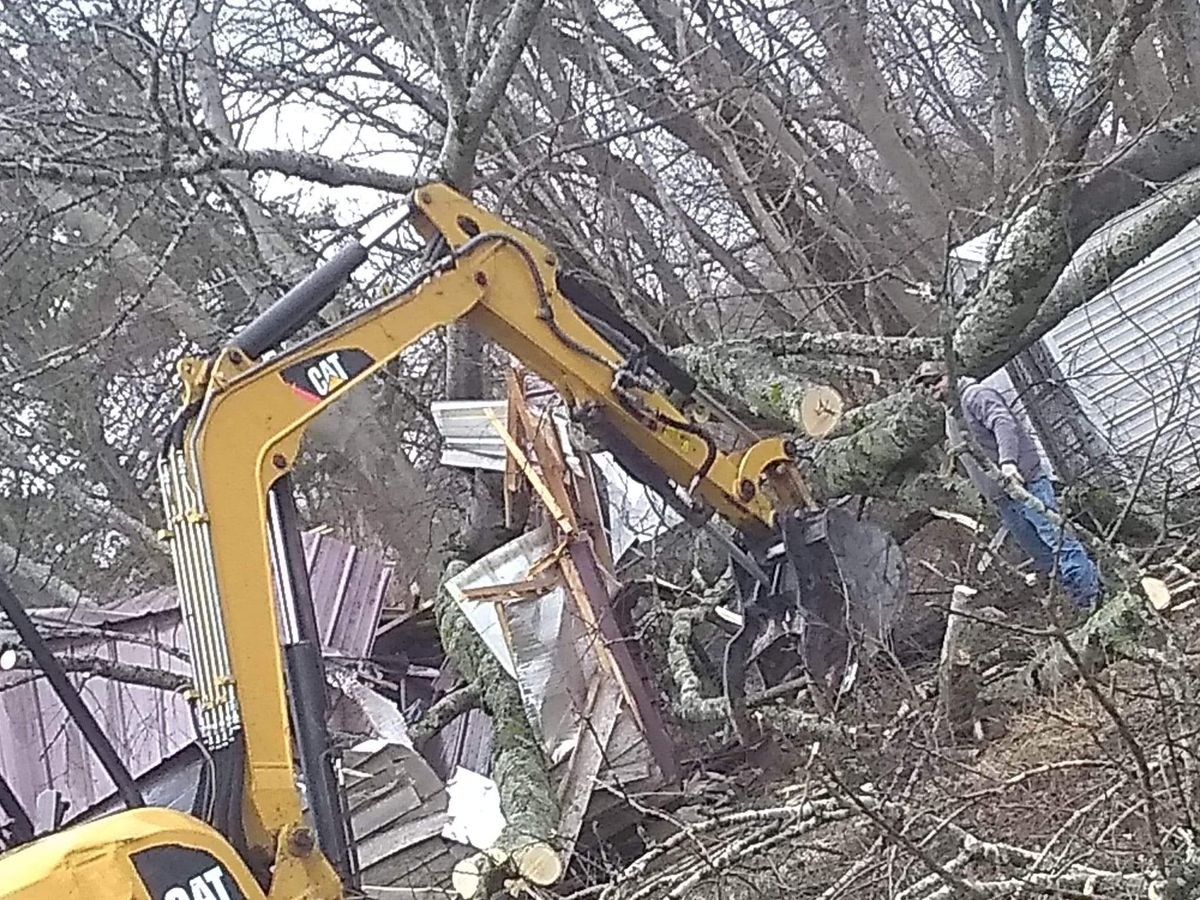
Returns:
<point x="39" y="748"/>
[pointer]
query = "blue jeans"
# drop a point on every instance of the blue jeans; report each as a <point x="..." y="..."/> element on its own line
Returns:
<point x="1043" y="540"/>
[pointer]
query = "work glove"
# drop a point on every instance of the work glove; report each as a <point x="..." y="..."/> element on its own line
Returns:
<point x="1011" y="473"/>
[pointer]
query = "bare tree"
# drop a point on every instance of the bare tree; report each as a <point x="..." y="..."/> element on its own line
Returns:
<point x="770" y="190"/>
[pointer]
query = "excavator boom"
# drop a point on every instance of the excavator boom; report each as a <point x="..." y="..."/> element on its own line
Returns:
<point x="231" y="527"/>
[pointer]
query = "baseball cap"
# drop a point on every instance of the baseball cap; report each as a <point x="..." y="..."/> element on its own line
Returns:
<point x="930" y="371"/>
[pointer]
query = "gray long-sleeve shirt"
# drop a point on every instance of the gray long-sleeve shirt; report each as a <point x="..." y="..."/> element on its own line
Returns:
<point x="999" y="432"/>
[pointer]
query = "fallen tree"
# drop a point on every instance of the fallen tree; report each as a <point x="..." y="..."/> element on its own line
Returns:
<point x="524" y="848"/>
<point x="1035" y="277"/>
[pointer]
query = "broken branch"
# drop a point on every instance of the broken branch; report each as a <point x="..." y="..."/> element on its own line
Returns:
<point x="843" y="343"/>
<point x="443" y="712"/>
<point x="128" y="673"/>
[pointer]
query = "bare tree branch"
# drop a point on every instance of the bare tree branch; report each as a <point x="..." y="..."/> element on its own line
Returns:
<point x="39" y="575"/>
<point x="126" y="673"/>
<point x="309" y="166"/>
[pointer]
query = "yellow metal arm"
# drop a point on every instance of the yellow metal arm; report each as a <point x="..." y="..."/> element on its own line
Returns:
<point x="248" y="417"/>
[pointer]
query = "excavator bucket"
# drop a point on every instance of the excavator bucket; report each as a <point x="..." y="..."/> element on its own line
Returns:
<point x="837" y="586"/>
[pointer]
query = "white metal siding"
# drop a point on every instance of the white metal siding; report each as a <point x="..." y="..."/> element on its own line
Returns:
<point x="1132" y="355"/>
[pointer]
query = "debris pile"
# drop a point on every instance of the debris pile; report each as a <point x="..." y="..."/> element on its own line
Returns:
<point x="530" y="628"/>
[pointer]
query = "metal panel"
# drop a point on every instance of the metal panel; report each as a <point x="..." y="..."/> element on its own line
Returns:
<point x="468" y="439"/>
<point x="348" y="587"/>
<point x="39" y="748"/>
<point x="1132" y="354"/>
<point x="466" y="742"/>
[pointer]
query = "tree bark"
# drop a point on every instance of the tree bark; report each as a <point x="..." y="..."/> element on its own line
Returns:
<point x="892" y="432"/>
<point x="445" y="711"/>
<point x="126" y="673"/>
<point x="958" y="682"/>
<point x="518" y="766"/>
<point x="1114" y="630"/>
<point x="39" y="576"/>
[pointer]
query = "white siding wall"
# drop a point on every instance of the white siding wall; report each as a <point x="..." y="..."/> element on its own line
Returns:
<point x="1132" y="355"/>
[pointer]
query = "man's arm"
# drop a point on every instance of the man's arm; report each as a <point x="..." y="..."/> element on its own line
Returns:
<point x="987" y="406"/>
<point x="955" y="444"/>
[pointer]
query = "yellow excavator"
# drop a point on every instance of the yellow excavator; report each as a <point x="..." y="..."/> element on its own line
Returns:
<point x="232" y="528"/>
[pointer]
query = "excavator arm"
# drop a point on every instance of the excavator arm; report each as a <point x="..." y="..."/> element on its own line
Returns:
<point x="231" y="523"/>
<point x="247" y="413"/>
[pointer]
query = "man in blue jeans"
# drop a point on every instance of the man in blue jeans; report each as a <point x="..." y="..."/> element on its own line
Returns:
<point x="1003" y="437"/>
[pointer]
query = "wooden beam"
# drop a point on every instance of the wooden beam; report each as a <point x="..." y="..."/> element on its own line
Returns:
<point x="587" y="756"/>
<point x="586" y="579"/>
<point x="595" y="594"/>
<point x="591" y="520"/>
<point x="515" y="487"/>
<point x="514" y="589"/>
<point x="527" y="469"/>
<point x="548" y="451"/>
<point x="579" y="594"/>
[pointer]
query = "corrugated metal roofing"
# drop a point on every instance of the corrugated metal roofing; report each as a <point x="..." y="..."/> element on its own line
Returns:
<point x="1132" y="354"/>
<point x="636" y="513"/>
<point x="469" y="440"/>
<point x="466" y="742"/>
<point x="348" y="586"/>
<point x="40" y="748"/>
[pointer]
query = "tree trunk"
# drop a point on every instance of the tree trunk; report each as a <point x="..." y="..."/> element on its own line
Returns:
<point x="518" y="766"/>
<point x="1075" y="446"/>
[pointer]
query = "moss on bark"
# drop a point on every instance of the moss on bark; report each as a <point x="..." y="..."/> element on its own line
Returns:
<point x="868" y="414"/>
<point x="861" y="462"/>
<point x="922" y="490"/>
<point x="764" y="384"/>
<point x="1115" y="630"/>
<point x="519" y="767"/>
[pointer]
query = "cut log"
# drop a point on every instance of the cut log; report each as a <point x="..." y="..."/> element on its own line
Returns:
<point x="467" y="876"/>
<point x="1157" y="592"/>
<point x="820" y="410"/>
<point x="537" y="863"/>
<point x="957" y="685"/>
<point x="761" y="383"/>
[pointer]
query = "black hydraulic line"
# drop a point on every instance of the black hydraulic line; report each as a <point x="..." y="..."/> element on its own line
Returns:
<point x="20" y="829"/>
<point x="599" y="306"/>
<point x="202" y="803"/>
<point x="306" y="691"/>
<point x="294" y="566"/>
<point x="300" y="305"/>
<point x="57" y="676"/>
<point x="228" y="776"/>
<point x="173" y="439"/>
